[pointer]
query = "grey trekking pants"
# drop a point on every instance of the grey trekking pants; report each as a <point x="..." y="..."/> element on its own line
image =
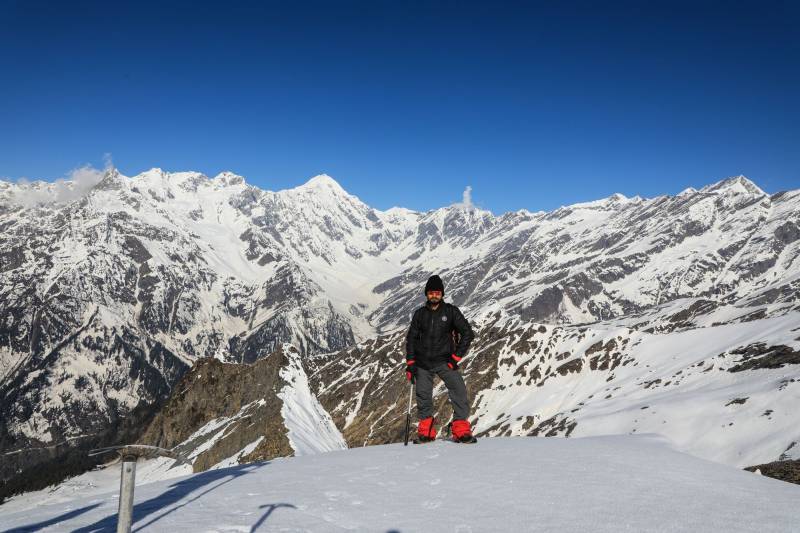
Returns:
<point x="455" y="388"/>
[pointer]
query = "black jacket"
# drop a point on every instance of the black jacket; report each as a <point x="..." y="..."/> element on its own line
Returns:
<point x="431" y="338"/>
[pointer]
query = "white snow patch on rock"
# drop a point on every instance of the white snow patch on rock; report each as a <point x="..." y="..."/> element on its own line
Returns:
<point x="311" y="429"/>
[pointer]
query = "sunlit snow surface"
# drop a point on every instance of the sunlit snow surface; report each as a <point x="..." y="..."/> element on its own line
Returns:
<point x="620" y="483"/>
<point x="310" y="428"/>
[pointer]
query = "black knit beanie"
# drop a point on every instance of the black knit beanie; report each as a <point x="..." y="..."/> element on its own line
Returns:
<point x="434" y="284"/>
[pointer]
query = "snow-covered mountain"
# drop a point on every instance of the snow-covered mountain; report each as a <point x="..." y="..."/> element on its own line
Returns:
<point x="106" y="301"/>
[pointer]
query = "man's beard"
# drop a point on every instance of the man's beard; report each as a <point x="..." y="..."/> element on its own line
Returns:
<point x="435" y="301"/>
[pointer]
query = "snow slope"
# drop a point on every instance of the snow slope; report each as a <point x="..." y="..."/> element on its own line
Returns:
<point x="683" y="385"/>
<point x="309" y="426"/>
<point x="609" y="484"/>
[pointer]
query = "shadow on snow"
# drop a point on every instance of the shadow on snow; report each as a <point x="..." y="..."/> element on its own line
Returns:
<point x="55" y="520"/>
<point x="148" y="512"/>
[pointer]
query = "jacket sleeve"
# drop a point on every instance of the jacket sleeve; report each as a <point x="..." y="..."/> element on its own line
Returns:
<point x="461" y="325"/>
<point x="412" y="336"/>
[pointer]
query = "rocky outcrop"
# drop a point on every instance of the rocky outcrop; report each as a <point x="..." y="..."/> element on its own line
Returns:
<point x="788" y="471"/>
<point x="759" y="355"/>
<point x="238" y="404"/>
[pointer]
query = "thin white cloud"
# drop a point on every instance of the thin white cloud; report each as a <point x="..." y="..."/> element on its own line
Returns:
<point x="76" y="185"/>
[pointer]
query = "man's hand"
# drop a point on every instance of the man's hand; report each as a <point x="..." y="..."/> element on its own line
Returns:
<point x="411" y="370"/>
<point x="453" y="363"/>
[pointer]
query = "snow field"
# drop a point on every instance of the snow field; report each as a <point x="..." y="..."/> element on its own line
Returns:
<point x="611" y="484"/>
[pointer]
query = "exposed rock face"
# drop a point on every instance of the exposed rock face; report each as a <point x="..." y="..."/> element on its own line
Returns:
<point x="788" y="471"/>
<point x="228" y="413"/>
<point x="760" y="355"/>
<point x="244" y="396"/>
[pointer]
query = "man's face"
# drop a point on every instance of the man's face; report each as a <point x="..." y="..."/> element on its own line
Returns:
<point x="434" y="297"/>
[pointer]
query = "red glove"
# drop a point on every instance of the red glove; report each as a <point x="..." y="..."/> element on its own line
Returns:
<point x="453" y="363"/>
<point x="411" y="370"/>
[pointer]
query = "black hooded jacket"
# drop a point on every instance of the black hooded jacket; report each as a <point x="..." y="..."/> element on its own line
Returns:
<point x="431" y="338"/>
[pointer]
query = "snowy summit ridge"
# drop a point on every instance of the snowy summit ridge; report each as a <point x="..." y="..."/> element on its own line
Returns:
<point x="736" y="184"/>
<point x="323" y="181"/>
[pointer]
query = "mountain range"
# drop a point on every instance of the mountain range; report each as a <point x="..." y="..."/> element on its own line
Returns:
<point x="237" y="324"/>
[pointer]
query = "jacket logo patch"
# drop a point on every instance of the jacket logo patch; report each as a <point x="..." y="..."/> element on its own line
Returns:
<point x="444" y="319"/>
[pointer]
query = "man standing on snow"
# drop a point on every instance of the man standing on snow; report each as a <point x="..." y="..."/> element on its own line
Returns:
<point x="431" y="348"/>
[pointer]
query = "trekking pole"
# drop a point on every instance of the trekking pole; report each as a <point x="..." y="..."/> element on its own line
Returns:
<point x="447" y="430"/>
<point x="408" y="413"/>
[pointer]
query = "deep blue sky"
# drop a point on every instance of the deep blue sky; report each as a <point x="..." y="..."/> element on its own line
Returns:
<point x="406" y="103"/>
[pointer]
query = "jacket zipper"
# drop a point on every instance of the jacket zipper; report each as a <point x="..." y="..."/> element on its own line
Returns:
<point x="430" y="335"/>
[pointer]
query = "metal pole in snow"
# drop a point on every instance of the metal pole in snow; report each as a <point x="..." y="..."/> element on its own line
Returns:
<point x="126" y="485"/>
<point x="129" y="454"/>
<point x="408" y="412"/>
